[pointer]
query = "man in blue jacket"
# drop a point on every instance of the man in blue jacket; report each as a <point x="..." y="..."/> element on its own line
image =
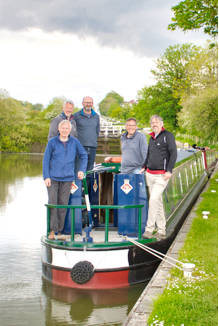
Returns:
<point x="59" y="172"/>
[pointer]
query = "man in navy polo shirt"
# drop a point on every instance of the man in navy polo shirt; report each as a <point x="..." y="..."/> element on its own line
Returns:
<point x="88" y="128"/>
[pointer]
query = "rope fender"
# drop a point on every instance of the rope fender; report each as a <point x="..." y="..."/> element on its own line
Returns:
<point x="82" y="272"/>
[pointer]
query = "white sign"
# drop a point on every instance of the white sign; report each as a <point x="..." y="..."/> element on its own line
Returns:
<point x="74" y="187"/>
<point x="126" y="187"/>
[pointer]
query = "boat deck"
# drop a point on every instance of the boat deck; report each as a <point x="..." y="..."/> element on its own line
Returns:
<point x="98" y="235"/>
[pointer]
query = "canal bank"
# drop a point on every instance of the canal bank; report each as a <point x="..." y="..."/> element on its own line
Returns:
<point x="143" y="307"/>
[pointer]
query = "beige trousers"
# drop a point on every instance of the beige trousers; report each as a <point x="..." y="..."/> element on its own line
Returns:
<point x="156" y="185"/>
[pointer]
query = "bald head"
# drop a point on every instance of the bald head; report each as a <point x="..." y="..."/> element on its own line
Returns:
<point x="87" y="103"/>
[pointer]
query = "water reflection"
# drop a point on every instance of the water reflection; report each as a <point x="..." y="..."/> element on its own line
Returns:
<point x="13" y="169"/>
<point x="25" y="299"/>
<point x="63" y="306"/>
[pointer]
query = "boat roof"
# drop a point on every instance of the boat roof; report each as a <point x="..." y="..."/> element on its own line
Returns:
<point x="182" y="154"/>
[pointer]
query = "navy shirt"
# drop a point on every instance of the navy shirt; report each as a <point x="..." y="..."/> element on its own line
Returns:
<point x="88" y="128"/>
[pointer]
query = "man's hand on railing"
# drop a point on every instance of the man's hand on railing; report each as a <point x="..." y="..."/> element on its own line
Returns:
<point x="80" y="175"/>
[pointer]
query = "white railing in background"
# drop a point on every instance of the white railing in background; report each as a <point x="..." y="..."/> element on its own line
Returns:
<point x="107" y="127"/>
<point x="112" y="130"/>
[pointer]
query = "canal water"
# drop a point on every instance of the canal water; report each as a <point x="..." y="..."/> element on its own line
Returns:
<point x="25" y="298"/>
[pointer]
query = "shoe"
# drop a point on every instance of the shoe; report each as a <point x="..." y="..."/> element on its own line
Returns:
<point x="147" y="235"/>
<point x="51" y="235"/>
<point x="160" y="236"/>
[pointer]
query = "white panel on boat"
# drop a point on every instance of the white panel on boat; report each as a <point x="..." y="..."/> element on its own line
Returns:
<point x="100" y="259"/>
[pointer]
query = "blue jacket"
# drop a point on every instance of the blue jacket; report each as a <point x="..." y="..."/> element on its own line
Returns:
<point x="59" y="160"/>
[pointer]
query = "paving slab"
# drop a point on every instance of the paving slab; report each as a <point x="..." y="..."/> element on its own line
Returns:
<point x="186" y="228"/>
<point x="192" y="214"/>
<point x="182" y="236"/>
<point x="138" y="320"/>
<point x="177" y="246"/>
<point x="189" y="221"/>
<point x="197" y="203"/>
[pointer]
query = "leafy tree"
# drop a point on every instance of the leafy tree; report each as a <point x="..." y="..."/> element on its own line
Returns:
<point x="194" y="14"/>
<point x="117" y="113"/>
<point x="112" y="107"/>
<point x="115" y="95"/>
<point x="111" y="98"/>
<point x="157" y="99"/>
<point x="200" y="102"/>
<point x="171" y="67"/>
<point x="199" y="114"/>
<point x="13" y="133"/>
<point x="171" y="74"/>
<point x="38" y="106"/>
<point x="202" y="70"/>
<point x="4" y="93"/>
<point x="127" y="111"/>
<point x="54" y="108"/>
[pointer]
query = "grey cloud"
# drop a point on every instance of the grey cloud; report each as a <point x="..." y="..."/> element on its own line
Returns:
<point x="139" y="26"/>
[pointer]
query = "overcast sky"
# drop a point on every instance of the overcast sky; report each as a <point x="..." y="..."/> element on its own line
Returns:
<point x="89" y="47"/>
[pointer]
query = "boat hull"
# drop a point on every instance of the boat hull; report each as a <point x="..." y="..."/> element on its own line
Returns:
<point x="123" y="264"/>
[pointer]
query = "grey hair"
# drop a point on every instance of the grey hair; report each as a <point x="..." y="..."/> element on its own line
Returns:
<point x="157" y="117"/>
<point x="68" y="101"/>
<point x="64" y="122"/>
<point x="131" y="119"/>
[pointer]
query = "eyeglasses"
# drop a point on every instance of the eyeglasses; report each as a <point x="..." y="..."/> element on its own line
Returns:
<point x="88" y="102"/>
<point x="130" y="125"/>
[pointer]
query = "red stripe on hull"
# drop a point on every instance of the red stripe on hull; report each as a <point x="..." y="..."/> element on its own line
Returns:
<point x="108" y="280"/>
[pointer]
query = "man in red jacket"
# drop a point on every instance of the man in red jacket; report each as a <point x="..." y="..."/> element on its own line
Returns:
<point x="159" y="163"/>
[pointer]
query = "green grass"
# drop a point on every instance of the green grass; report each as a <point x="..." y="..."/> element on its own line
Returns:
<point x="193" y="301"/>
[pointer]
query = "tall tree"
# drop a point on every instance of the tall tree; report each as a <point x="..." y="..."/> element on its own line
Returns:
<point x="171" y="67"/>
<point x="111" y="98"/>
<point x="13" y="132"/>
<point x="194" y="14"/>
<point x="158" y="99"/>
<point x="54" y="108"/>
<point x="171" y="74"/>
<point x="199" y="113"/>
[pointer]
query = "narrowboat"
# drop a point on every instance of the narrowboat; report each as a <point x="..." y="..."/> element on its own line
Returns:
<point x="96" y="249"/>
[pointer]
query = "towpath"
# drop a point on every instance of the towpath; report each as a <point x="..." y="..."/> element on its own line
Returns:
<point x="142" y="309"/>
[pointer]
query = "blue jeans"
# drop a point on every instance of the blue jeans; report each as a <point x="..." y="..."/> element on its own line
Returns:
<point x="91" y="154"/>
<point x="136" y="171"/>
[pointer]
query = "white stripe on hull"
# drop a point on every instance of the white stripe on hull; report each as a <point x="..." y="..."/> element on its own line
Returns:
<point x="107" y="259"/>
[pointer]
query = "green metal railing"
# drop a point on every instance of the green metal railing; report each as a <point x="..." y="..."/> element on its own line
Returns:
<point x="106" y="207"/>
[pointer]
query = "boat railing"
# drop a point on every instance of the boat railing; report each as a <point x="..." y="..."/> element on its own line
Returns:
<point x="106" y="207"/>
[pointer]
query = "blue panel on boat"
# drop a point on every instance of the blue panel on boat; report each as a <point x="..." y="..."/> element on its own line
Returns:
<point x="131" y="189"/>
<point x="94" y="198"/>
<point x="74" y="199"/>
